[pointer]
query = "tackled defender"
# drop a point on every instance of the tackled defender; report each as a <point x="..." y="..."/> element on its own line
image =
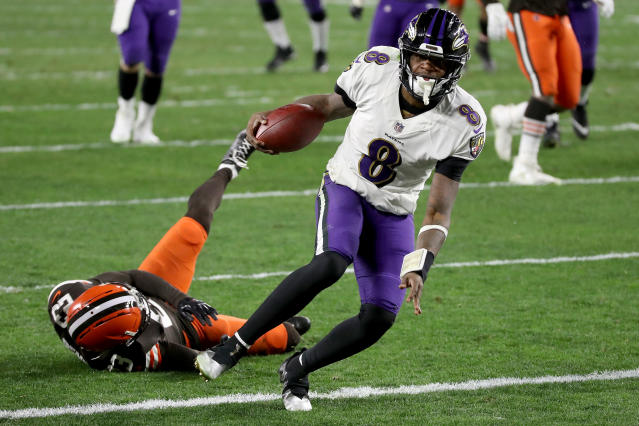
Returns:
<point x="143" y="319"/>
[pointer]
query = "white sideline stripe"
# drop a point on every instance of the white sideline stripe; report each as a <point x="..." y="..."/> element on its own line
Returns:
<point x="110" y="105"/>
<point x="269" y="194"/>
<point x="343" y="393"/>
<point x="497" y="262"/>
<point x="109" y="145"/>
<point x="622" y="127"/>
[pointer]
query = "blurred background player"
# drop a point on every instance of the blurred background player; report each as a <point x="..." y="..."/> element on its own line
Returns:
<point x="276" y="29"/>
<point x="548" y="55"/>
<point x="391" y="18"/>
<point x="146" y="30"/>
<point x="142" y="319"/>
<point x="482" y="47"/>
<point x="585" y="24"/>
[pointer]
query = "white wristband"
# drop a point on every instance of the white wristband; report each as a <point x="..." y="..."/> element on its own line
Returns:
<point x="438" y="227"/>
<point x="413" y="261"/>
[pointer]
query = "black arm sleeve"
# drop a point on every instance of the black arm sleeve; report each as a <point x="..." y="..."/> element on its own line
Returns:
<point x="452" y="167"/>
<point x="148" y="283"/>
<point x="347" y="101"/>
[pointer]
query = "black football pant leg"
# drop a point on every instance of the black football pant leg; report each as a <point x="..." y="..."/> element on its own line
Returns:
<point x="294" y="293"/>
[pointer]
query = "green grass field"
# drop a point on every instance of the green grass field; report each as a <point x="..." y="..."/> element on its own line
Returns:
<point x="553" y="290"/>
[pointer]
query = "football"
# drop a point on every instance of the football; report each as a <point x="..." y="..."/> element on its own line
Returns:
<point x="290" y="128"/>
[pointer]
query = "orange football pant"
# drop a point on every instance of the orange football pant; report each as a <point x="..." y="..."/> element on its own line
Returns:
<point x="548" y="54"/>
<point x="173" y="259"/>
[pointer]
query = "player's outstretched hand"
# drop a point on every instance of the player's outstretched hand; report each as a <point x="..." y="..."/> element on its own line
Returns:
<point x="254" y="123"/>
<point x="356" y="12"/>
<point x="414" y="283"/>
<point x="190" y="307"/>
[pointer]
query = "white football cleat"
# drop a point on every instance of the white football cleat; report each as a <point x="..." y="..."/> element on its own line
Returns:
<point x="295" y="403"/>
<point x="143" y="130"/>
<point x="530" y="173"/>
<point x="208" y="367"/>
<point x="124" y="120"/>
<point x="506" y="119"/>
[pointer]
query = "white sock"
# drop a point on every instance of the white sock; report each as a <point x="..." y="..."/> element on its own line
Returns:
<point x="533" y="130"/>
<point x="319" y="34"/>
<point x="277" y="32"/>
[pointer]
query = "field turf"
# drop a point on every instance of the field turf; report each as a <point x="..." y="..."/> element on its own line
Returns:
<point x="533" y="282"/>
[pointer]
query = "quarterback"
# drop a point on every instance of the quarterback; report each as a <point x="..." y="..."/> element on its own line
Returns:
<point x="409" y="120"/>
<point x="142" y="319"/>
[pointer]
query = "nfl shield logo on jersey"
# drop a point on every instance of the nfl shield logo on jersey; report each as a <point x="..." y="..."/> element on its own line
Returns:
<point x="398" y="127"/>
<point x="477" y="144"/>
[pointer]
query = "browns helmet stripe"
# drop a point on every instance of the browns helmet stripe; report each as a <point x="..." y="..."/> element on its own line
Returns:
<point x="96" y="312"/>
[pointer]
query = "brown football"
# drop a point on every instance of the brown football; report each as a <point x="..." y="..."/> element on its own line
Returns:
<point x="290" y="128"/>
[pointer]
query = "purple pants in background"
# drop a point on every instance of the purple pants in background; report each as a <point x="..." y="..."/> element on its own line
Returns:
<point x="392" y="17"/>
<point x="152" y="31"/>
<point x="585" y="23"/>
<point x="374" y="241"/>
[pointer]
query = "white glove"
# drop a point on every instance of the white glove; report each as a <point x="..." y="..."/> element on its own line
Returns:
<point x="606" y="7"/>
<point x="497" y="21"/>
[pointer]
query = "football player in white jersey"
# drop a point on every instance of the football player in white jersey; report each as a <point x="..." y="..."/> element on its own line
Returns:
<point x="409" y="118"/>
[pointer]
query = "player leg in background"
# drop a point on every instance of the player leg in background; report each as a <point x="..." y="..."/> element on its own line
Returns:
<point x="276" y="29"/>
<point x="482" y="47"/>
<point x="585" y="23"/>
<point x="319" y="26"/>
<point x="536" y="46"/>
<point x="133" y="46"/>
<point x="174" y="257"/>
<point x="163" y="27"/>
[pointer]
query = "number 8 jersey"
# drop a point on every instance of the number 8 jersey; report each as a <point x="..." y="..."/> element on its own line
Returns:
<point x="387" y="158"/>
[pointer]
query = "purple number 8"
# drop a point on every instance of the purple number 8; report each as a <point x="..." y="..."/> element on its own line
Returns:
<point x="471" y="115"/>
<point x="377" y="57"/>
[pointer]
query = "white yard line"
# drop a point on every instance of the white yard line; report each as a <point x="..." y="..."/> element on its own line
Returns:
<point x="269" y="194"/>
<point x="475" y="263"/>
<point x="343" y="393"/>
<point x="621" y="127"/>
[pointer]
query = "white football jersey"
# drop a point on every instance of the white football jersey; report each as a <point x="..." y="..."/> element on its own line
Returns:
<point x="386" y="158"/>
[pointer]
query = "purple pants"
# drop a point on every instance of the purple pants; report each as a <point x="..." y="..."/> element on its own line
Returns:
<point x="374" y="241"/>
<point x="585" y="24"/>
<point x="151" y="33"/>
<point x="312" y="6"/>
<point x="392" y="17"/>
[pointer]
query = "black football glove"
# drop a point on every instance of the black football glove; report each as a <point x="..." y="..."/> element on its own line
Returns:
<point x="356" y="12"/>
<point x="190" y="307"/>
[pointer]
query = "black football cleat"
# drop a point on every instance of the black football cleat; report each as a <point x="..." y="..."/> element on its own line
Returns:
<point x="301" y="324"/>
<point x="237" y="155"/>
<point x="552" y="137"/>
<point x="295" y="391"/>
<point x="483" y="51"/>
<point x="580" y="122"/>
<point x="282" y="55"/>
<point x="321" y="64"/>
<point x="215" y="361"/>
